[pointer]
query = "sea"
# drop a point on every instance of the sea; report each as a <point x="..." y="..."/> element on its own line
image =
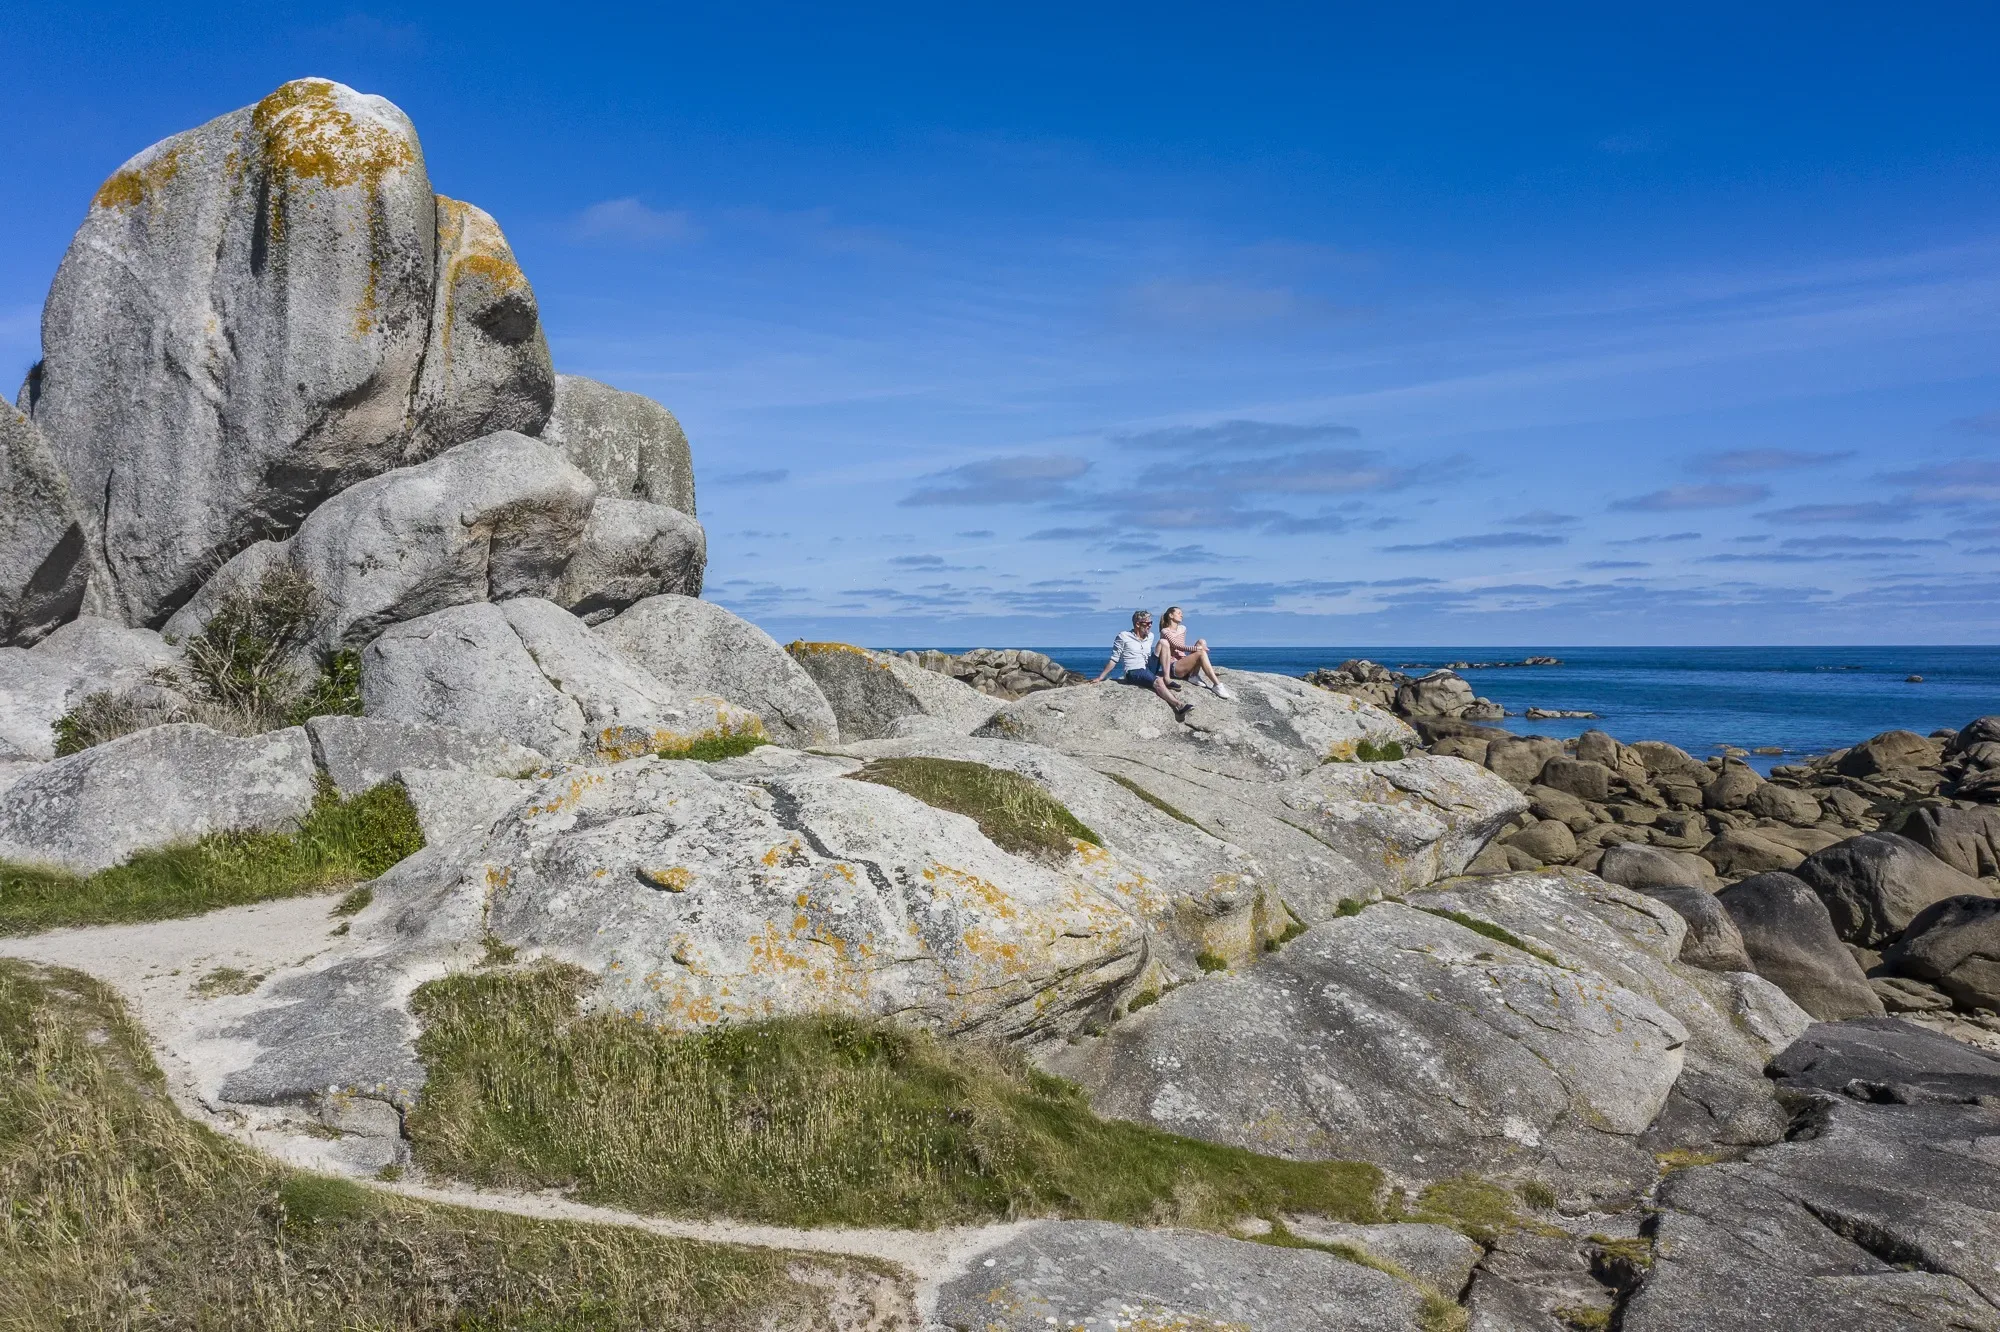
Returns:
<point x="1796" y="700"/>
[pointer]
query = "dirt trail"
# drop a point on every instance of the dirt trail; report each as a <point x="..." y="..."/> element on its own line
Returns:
<point x="156" y="968"/>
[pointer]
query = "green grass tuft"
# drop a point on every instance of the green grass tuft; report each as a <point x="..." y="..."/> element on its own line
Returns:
<point x="1015" y="814"/>
<point x="340" y="842"/>
<point x="1387" y="752"/>
<point x="121" y="1213"/>
<point x="1476" y="1207"/>
<point x="354" y="901"/>
<point x="336" y="692"/>
<point x="1208" y="961"/>
<point x="1350" y="906"/>
<point x="1152" y="799"/>
<point x="1494" y="932"/>
<point x="805" y="1121"/>
<point x="723" y="744"/>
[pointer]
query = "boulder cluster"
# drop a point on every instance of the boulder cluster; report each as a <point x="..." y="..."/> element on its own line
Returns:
<point x="296" y="421"/>
<point x="1442" y="693"/>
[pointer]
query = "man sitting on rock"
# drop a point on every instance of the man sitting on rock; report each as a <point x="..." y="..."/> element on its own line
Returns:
<point x="1131" y="653"/>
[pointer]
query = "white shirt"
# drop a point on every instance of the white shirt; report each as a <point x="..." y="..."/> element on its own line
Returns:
<point x="1131" y="652"/>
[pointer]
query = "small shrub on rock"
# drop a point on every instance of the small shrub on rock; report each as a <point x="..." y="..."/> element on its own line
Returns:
<point x="1015" y="814"/>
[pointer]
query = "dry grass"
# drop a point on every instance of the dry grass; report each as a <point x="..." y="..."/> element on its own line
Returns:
<point x="119" y="1213"/>
<point x="805" y="1121"/>
<point x="1015" y="814"/>
<point x="341" y="842"/>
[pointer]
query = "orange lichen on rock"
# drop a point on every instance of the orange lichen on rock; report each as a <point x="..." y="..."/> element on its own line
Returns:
<point x="129" y="186"/>
<point x="307" y="136"/>
<point x="675" y="879"/>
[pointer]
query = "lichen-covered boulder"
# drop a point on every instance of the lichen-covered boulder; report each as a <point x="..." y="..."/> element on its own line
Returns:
<point x="530" y="671"/>
<point x="43" y="561"/>
<point x="494" y="518"/>
<point x="1094" y="1274"/>
<point x="157" y="787"/>
<point x="86" y="656"/>
<point x="452" y="802"/>
<point x="357" y="753"/>
<point x="627" y="443"/>
<point x="235" y="334"/>
<point x="878" y="694"/>
<point x="696" y="645"/>
<point x="486" y="364"/>
<point x="632" y="550"/>
<point x="1404" y="1038"/>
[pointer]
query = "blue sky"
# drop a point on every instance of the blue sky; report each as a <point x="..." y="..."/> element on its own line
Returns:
<point x="1524" y="325"/>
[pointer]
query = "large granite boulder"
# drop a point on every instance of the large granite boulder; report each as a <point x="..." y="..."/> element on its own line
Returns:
<point x="1889" y="1061"/>
<point x="1739" y="852"/>
<point x="696" y="645"/>
<point x="357" y="753"/>
<point x="1407" y="1039"/>
<point x="1645" y="868"/>
<point x="154" y="788"/>
<point x="494" y="518"/>
<point x="486" y="364"/>
<point x="43" y="560"/>
<point x="84" y="657"/>
<point x="1790" y="939"/>
<point x="1093" y="1274"/>
<point x="1197" y="894"/>
<point x="235" y="334"/>
<point x="630" y="445"/>
<point x="1874" y="885"/>
<point x="1955" y="945"/>
<point x="1887" y="752"/>
<point x="877" y="694"/>
<point x="1519" y="759"/>
<point x="1873" y="1216"/>
<point x="632" y="550"/>
<point x="529" y="671"/>
<point x="1968" y="840"/>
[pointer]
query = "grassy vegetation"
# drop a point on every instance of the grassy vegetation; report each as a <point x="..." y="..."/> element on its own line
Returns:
<point x="805" y="1121"/>
<point x="1370" y="752"/>
<point x="1476" y="1207"/>
<point x="726" y="743"/>
<point x="1152" y="799"/>
<point x="340" y="842"/>
<point x="1438" y="1312"/>
<point x="1015" y="814"/>
<point x="121" y="1213"/>
<point x="1494" y="932"/>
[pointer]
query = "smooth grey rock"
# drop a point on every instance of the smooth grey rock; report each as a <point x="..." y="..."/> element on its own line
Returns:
<point x="1403" y="1038"/>
<point x="1874" y="885"/>
<point x="1735" y="1021"/>
<point x="465" y="668"/>
<point x="1439" y="694"/>
<point x="869" y="690"/>
<point x="1887" y="751"/>
<point x="86" y="656"/>
<point x="235" y="333"/>
<point x="627" y="711"/>
<point x="1546" y="802"/>
<point x="335" y="1026"/>
<point x="1874" y="1216"/>
<point x="1900" y="994"/>
<point x="1579" y="777"/>
<point x="1519" y="758"/>
<point x="1196" y="893"/>
<point x="1713" y="942"/>
<point x="495" y="518"/>
<point x="154" y="788"/>
<point x="1073" y="1274"/>
<point x="1738" y="852"/>
<point x="630" y="445"/>
<point x="486" y="364"/>
<point x="1786" y="804"/>
<point x="451" y="802"/>
<point x="1955" y="945"/>
<point x="1648" y="867"/>
<point x="696" y="645"/>
<point x="1438" y="1256"/>
<point x="1547" y="841"/>
<point x="1887" y="1060"/>
<point x="1792" y="943"/>
<point x="43" y="560"/>
<point x="632" y="550"/>
<point x="1667" y="763"/>
<point x="357" y="753"/>
<point x="1968" y="840"/>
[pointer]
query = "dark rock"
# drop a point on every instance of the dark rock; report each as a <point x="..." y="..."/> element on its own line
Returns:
<point x="1887" y="1060"/>
<point x="1713" y="942"/>
<point x="1546" y="802"/>
<point x="1955" y="945"/>
<point x="1791" y="942"/>
<point x="1874" y="885"/>
<point x="1900" y="994"/>
<point x="1982" y="730"/>
<point x="1968" y="840"/>
<point x="1887" y="751"/>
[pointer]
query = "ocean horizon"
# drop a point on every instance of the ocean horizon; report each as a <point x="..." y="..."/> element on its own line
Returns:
<point x="1800" y="700"/>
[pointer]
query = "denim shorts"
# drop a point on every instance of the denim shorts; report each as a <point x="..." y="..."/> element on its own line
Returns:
<point x="1139" y="675"/>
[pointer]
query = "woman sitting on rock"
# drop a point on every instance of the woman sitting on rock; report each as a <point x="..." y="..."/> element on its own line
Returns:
<point x="1131" y="653"/>
<point x="1179" y="660"/>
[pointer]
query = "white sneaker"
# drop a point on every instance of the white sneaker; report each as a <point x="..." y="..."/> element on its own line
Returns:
<point x="1221" y="690"/>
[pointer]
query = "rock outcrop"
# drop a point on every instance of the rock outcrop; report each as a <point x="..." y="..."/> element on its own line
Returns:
<point x="632" y="550"/>
<point x="84" y="657"/>
<point x="630" y="445"/>
<point x="878" y="694"/>
<point x="1954" y="945"/>
<point x="357" y="753"/>
<point x="696" y="645"/>
<point x="998" y="672"/>
<point x="43" y="560"/>
<point x="1876" y="884"/>
<point x="1790" y="939"/>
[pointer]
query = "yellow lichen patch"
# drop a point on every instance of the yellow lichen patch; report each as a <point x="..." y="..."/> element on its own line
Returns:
<point x="307" y="136"/>
<point x="799" y="647"/>
<point x="130" y="186"/>
<point x="992" y="898"/>
<point x="674" y="879"/>
<point x="1092" y="854"/>
<point x="788" y="853"/>
<point x="498" y="269"/>
<point x="1341" y="751"/>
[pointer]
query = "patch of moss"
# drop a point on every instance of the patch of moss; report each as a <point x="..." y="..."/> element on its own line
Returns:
<point x="1015" y="814"/>
<point x="1686" y="1158"/>
<point x="1536" y="1194"/>
<point x="805" y="1121"/>
<point x="1208" y="961"/>
<point x="340" y="842"/>
<point x="1494" y="932"/>
<point x="354" y="901"/>
<point x="1143" y="999"/>
<point x="122" y="1213"/>
<point x="1350" y="906"/>
<point x="723" y="743"/>
<point x="1370" y="752"/>
<point x="1152" y="799"/>
<point x="1476" y="1207"/>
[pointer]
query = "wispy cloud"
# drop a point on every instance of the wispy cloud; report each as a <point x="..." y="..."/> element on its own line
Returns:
<point x="1657" y="540"/>
<point x="765" y="477"/>
<point x="1676" y="498"/>
<point x="629" y="221"/>
<point x="1021" y="479"/>
<point x="1736" y="462"/>
<point x="1539" y="518"/>
<point x="1868" y="511"/>
<point x="1478" y="541"/>
<point x="1236" y="436"/>
<point x="1987" y="423"/>
<point x="1959" y="481"/>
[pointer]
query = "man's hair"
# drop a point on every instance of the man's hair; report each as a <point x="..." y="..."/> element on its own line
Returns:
<point x="1139" y="615"/>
